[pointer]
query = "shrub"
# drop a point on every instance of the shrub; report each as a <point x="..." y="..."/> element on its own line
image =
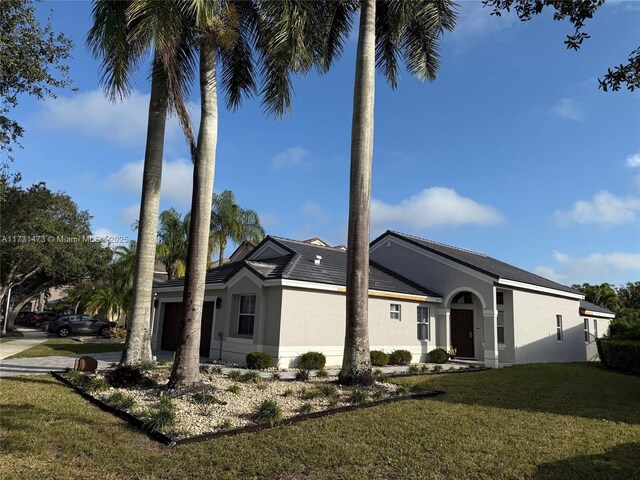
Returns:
<point x="400" y="357"/>
<point x="225" y="424"/>
<point x="413" y="368"/>
<point x="379" y="358"/>
<point x="259" y="361"/>
<point x="204" y="400"/>
<point x="267" y="412"/>
<point x="121" y="401"/>
<point x="326" y="390"/>
<point x="234" y="374"/>
<point x="437" y="368"/>
<point x="333" y="401"/>
<point x="116" y="332"/>
<point x="305" y="394"/>
<point x="235" y="389"/>
<point x="302" y="375"/>
<point x="623" y="355"/>
<point x="250" y="377"/>
<point x="96" y="384"/>
<point x="146" y="366"/>
<point x="162" y="416"/>
<point x="312" y="361"/>
<point x="424" y="369"/>
<point x="288" y="392"/>
<point x="358" y="396"/>
<point x="438" y="356"/>
<point x="322" y="373"/>
<point x="377" y="394"/>
<point x="306" y="407"/>
<point x="124" y="376"/>
<point x="401" y="390"/>
<point x="276" y="376"/>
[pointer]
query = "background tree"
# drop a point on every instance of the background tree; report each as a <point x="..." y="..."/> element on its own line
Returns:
<point x="577" y="12"/>
<point x="172" y="242"/>
<point x="389" y="31"/>
<point x="229" y="221"/>
<point x="120" y="37"/>
<point x="45" y="242"/>
<point x="32" y="62"/>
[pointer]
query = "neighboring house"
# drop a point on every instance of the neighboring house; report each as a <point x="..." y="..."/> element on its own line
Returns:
<point x="595" y="323"/>
<point x="287" y="297"/>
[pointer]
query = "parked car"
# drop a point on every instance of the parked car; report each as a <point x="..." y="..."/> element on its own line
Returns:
<point x="23" y="317"/>
<point x="38" y="318"/>
<point x="78" y="325"/>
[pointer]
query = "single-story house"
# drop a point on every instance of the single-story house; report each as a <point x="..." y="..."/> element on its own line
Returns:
<point x="287" y="297"/>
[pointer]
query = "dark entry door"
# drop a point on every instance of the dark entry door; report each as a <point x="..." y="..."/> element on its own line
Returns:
<point x="462" y="332"/>
<point x="171" y="327"/>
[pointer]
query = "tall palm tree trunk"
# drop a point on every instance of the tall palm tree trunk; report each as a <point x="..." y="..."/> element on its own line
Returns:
<point x="356" y="364"/>
<point x="186" y="369"/>
<point x="138" y="345"/>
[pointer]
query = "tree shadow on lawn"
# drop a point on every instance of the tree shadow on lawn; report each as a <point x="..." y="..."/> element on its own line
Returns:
<point x="621" y="461"/>
<point x="576" y="389"/>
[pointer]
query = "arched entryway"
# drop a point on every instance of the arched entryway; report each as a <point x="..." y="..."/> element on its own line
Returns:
<point x="466" y="322"/>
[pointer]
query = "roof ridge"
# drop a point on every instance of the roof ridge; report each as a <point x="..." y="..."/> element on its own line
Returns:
<point x="302" y="242"/>
<point x="440" y="243"/>
<point x="290" y="265"/>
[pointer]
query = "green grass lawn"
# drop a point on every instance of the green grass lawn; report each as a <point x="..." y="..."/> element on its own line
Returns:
<point x="572" y="421"/>
<point x="67" y="346"/>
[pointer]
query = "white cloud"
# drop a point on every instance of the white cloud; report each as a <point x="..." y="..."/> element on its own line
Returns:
<point x="92" y="114"/>
<point x="593" y="268"/>
<point x="177" y="180"/>
<point x="568" y="109"/>
<point x="291" y="157"/>
<point x="604" y="209"/>
<point x="130" y="214"/>
<point x="434" y="207"/>
<point x="315" y="212"/>
<point x="475" y="21"/>
<point x="109" y="238"/>
<point x="633" y="161"/>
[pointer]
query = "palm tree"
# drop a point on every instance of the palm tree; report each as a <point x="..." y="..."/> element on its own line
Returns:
<point x="388" y="29"/>
<point x="172" y="246"/>
<point x="231" y="34"/>
<point x="111" y="39"/>
<point x="230" y="221"/>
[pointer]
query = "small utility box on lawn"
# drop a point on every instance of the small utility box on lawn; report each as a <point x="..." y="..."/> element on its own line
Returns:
<point x="86" y="364"/>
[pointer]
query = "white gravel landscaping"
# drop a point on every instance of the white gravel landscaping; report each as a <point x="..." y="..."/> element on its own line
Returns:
<point x="232" y="402"/>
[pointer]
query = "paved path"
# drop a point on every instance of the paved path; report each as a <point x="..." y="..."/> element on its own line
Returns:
<point x="31" y="339"/>
<point x="40" y="365"/>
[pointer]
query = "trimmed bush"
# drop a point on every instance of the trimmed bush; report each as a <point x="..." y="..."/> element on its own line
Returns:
<point x="312" y="361"/>
<point x="623" y="355"/>
<point x="124" y="376"/>
<point x="267" y="412"/>
<point x="302" y="375"/>
<point x="400" y="357"/>
<point x="438" y="356"/>
<point x="259" y="361"/>
<point x="250" y="377"/>
<point x="163" y="416"/>
<point x="379" y="358"/>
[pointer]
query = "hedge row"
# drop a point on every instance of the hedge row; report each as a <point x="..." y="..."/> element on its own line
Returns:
<point x="623" y="355"/>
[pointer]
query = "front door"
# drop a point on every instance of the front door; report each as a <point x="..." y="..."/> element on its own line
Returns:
<point x="462" y="332"/>
<point x="171" y="327"/>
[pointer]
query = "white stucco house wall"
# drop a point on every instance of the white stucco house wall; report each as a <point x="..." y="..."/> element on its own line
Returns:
<point x="287" y="297"/>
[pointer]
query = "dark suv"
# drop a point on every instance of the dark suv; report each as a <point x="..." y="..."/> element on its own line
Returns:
<point x="39" y="318"/>
<point x="79" y="325"/>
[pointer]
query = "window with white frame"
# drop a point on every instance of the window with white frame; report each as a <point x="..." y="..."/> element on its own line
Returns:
<point x="559" y="328"/>
<point x="423" y="323"/>
<point x="586" y="330"/>
<point x="246" y="315"/>
<point x="394" y="311"/>
<point x="595" y="328"/>
<point x="500" y="327"/>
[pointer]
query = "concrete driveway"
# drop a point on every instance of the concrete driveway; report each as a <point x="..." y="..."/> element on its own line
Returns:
<point x="40" y="365"/>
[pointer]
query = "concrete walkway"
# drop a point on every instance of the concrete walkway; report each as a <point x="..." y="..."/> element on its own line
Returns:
<point x="43" y="365"/>
<point x="31" y="339"/>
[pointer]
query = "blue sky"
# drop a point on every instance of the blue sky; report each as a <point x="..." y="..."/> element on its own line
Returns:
<point x="512" y="151"/>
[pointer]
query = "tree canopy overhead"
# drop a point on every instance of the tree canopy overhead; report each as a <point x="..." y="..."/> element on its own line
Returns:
<point x="32" y="62"/>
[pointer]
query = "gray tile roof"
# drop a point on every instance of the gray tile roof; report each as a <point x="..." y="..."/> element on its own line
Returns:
<point x="299" y="264"/>
<point x="479" y="262"/>
<point x="592" y="307"/>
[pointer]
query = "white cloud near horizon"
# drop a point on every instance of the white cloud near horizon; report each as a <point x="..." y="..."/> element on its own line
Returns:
<point x="568" y="109"/>
<point x="176" y="186"/>
<point x="633" y="161"/>
<point x="291" y="157"/>
<point x="604" y="209"/>
<point x="109" y="238"/>
<point x="594" y="268"/>
<point x="92" y="114"/>
<point x="475" y="21"/>
<point x="434" y="207"/>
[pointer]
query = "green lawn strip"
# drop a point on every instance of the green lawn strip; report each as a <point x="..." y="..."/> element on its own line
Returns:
<point x="67" y="346"/>
<point x="547" y="421"/>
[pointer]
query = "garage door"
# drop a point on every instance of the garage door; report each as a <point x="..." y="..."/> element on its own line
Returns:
<point x="171" y="327"/>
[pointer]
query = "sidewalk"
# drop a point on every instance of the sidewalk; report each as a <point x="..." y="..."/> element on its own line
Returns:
<point x="31" y="339"/>
<point x="42" y="365"/>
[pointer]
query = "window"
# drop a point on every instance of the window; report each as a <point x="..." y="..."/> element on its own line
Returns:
<point x="463" y="297"/>
<point x="500" y="326"/>
<point x="394" y="311"/>
<point x="559" y="327"/>
<point x="246" y="314"/>
<point x="423" y="323"/>
<point x="586" y="330"/>
<point x="595" y="328"/>
<point x="500" y="298"/>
